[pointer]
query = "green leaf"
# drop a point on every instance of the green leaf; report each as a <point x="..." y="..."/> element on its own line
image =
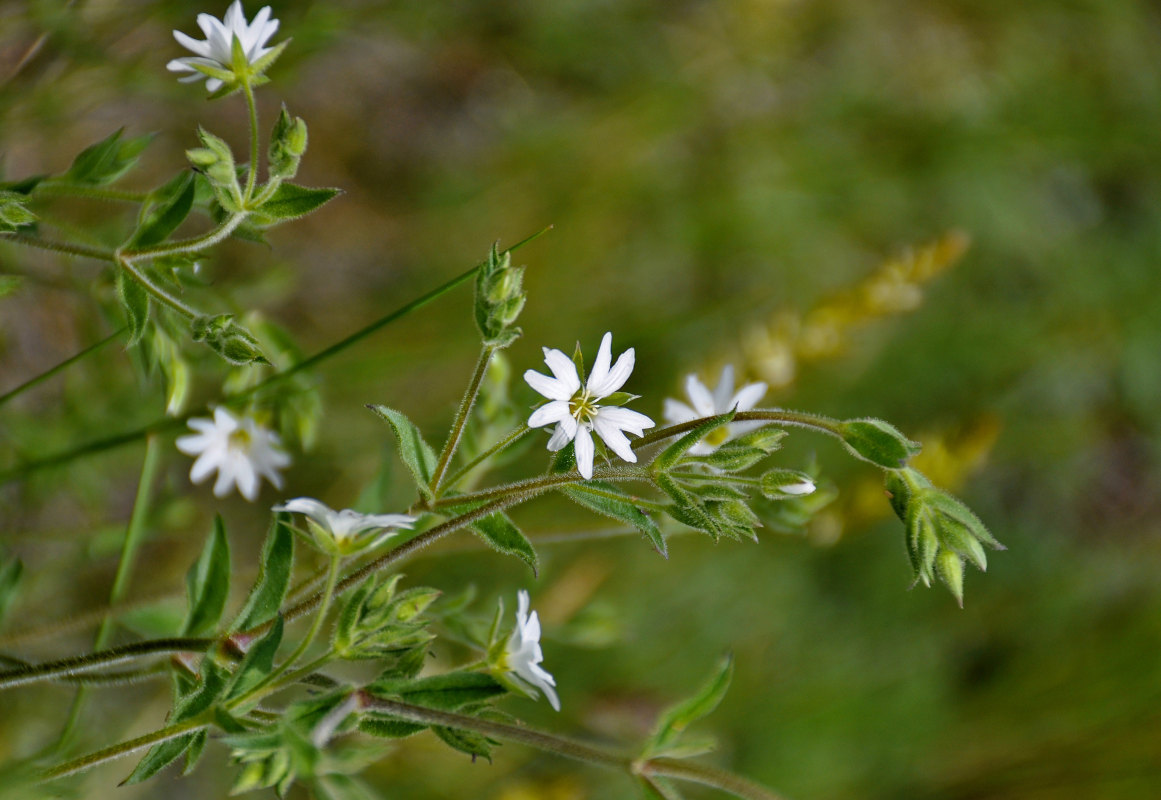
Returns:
<point x="448" y="692"/>
<point x="194" y="753"/>
<point x="291" y="201"/>
<point x="676" y="719"/>
<point x="501" y="533"/>
<point x="168" y="207"/>
<point x="135" y="301"/>
<point x="10" y="572"/>
<point x="878" y="442"/>
<point x="669" y="457"/>
<point x="417" y="455"/>
<point x="258" y="661"/>
<point x="107" y="160"/>
<point x="474" y="744"/>
<point x="388" y="727"/>
<point x="160" y="756"/>
<point x="606" y="499"/>
<point x="208" y="583"/>
<point x="273" y="579"/>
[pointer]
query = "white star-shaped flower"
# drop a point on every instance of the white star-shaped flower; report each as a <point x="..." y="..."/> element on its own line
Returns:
<point x="240" y="450"/>
<point x="704" y="403"/>
<point x="216" y="51"/>
<point x="522" y="655"/>
<point x="576" y="411"/>
<point x="348" y="530"/>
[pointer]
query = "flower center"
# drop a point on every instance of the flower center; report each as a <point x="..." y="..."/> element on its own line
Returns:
<point x="718" y="436"/>
<point x="240" y="439"/>
<point x="583" y="406"/>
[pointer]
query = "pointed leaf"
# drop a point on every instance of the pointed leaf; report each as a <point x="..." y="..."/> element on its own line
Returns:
<point x="159" y="757"/>
<point x="107" y="160"/>
<point x="291" y="201"/>
<point x="208" y="583"/>
<point x="606" y="499"/>
<point x="273" y="579"/>
<point x="258" y="662"/>
<point x="501" y="533"/>
<point x="194" y="753"/>
<point x="135" y="301"/>
<point x="470" y="742"/>
<point x="170" y="206"/>
<point x="10" y="573"/>
<point x="676" y="719"/>
<point x="417" y="454"/>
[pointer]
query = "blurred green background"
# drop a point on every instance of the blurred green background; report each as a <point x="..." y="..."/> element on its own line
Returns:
<point x="707" y="166"/>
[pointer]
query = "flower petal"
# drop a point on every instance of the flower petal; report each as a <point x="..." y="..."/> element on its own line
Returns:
<point x="748" y="396"/>
<point x="699" y="396"/>
<point x="584" y="451"/>
<point x="549" y="413"/>
<point x="616" y="377"/>
<point x="562" y="435"/>
<point x="563" y="368"/>
<point x="552" y="388"/>
<point x="600" y="370"/>
<point x="725" y="389"/>
<point x="626" y="419"/>
<point x="614" y="438"/>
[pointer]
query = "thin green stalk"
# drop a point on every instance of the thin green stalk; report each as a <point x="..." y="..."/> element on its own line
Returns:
<point x="58" y="186"/>
<point x="797" y="419"/>
<point x="76" y="665"/>
<point x="316" y="625"/>
<point x="457" y="430"/>
<point x="159" y="294"/>
<point x="124" y="748"/>
<point x="540" y="484"/>
<point x="193" y="244"/>
<point x="572" y="749"/>
<point x="170" y="423"/>
<point x="499" y="446"/>
<point x="68" y="362"/>
<point x="252" y="173"/>
<point x="68" y="248"/>
<point x="134" y="536"/>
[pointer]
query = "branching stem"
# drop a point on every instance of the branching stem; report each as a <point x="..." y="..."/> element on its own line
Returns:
<point x="465" y="409"/>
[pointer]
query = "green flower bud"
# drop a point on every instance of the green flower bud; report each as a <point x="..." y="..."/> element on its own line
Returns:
<point x="780" y="484"/>
<point x="950" y="567"/>
<point x="878" y="442"/>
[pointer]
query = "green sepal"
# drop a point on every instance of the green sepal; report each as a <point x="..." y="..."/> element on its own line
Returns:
<point x="501" y="534"/>
<point x="166" y="209"/>
<point x="949" y="565"/>
<point x="135" y="300"/>
<point x="273" y="578"/>
<point x="228" y="339"/>
<point x="669" y="457"/>
<point x="955" y="510"/>
<point x="596" y="496"/>
<point x="258" y="661"/>
<point x="208" y="583"/>
<point x="731" y="457"/>
<point x="878" y="442"/>
<point x="261" y="65"/>
<point x="474" y="744"/>
<point x="687" y="508"/>
<point x="417" y="454"/>
<point x="675" y="720"/>
<point x="107" y="160"/>
<point x="291" y="201"/>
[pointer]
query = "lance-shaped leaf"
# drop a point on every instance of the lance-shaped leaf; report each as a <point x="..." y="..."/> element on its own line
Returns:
<point x="273" y="579"/>
<point x="291" y="202"/>
<point x="168" y="208"/>
<point x="258" y="662"/>
<point x="474" y="744"/>
<point x="669" y="457"/>
<point x="449" y="692"/>
<point x="208" y="583"/>
<point x="501" y="534"/>
<point x="135" y="300"/>
<point x="604" y="498"/>
<point x="675" y="720"/>
<point x="417" y="454"/>
<point x="107" y="160"/>
<point x="10" y="573"/>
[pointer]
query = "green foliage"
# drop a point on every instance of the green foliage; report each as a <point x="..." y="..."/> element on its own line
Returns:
<point x="11" y="569"/>
<point x="166" y="208"/>
<point x="288" y="142"/>
<point x="501" y="534"/>
<point x="257" y="663"/>
<point x="671" y="726"/>
<point x="273" y="578"/>
<point x="107" y="160"/>
<point x="208" y="583"/>
<point x="135" y="301"/>
<point x="671" y="455"/>
<point x="604" y="498"/>
<point x="500" y="298"/>
<point x="13" y="212"/>
<point x="878" y="442"/>
<point x="377" y="622"/>
<point x="417" y="454"/>
<point x="229" y="339"/>
<point x="291" y="202"/>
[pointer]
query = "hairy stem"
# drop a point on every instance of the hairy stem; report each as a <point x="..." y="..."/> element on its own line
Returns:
<point x="53" y="670"/>
<point x="52" y="371"/>
<point x="123" y="749"/>
<point x="540" y="484"/>
<point x="68" y="248"/>
<point x="252" y="173"/>
<point x="797" y="419"/>
<point x="457" y="430"/>
<point x="499" y="446"/>
<point x="706" y="776"/>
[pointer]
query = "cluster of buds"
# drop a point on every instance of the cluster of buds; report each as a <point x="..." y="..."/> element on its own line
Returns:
<point x="228" y="339"/>
<point x="499" y="299"/>
<point x="215" y="160"/>
<point x="942" y="533"/>
<point x="287" y="145"/>
<point x="378" y="622"/>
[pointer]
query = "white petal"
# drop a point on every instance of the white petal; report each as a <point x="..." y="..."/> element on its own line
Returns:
<point x="193" y="444"/>
<point x="724" y="389"/>
<point x="600" y="370"/>
<point x="308" y="506"/>
<point x="616" y="377"/>
<point x="552" y="388"/>
<point x="699" y="395"/>
<point x="549" y="413"/>
<point x="563" y="368"/>
<point x="201" y="469"/>
<point x="748" y="396"/>
<point x="626" y="419"/>
<point x="584" y="451"/>
<point x="247" y="479"/>
<point x="193" y="45"/>
<point x="562" y="435"/>
<point x="613" y="437"/>
<point x="676" y="412"/>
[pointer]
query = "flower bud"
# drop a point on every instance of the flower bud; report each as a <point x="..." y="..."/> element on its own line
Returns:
<point x="878" y="442"/>
<point x="780" y="484"/>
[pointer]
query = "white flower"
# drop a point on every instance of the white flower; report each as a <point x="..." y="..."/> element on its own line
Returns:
<point x="804" y="486"/>
<point x="522" y="656"/>
<point x="348" y="529"/>
<point x="242" y="452"/>
<point x="707" y="404"/>
<point x="216" y="51"/>
<point x="576" y="412"/>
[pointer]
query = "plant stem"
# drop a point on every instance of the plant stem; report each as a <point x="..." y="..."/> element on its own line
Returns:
<point x="76" y="665"/>
<point x="123" y="749"/>
<point x="68" y="362"/>
<point x="252" y="173"/>
<point x="457" y="430"/>
<point x="134" y="535"/>
<point x="541" y="484"/>
<point x="165" y="298"/>
<point x="503" y="444"/>
<point x="57" y="186"/>
<point x="798" y="419"/>
<point x="68" y="248"/>
<point x="569" y="748"/>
